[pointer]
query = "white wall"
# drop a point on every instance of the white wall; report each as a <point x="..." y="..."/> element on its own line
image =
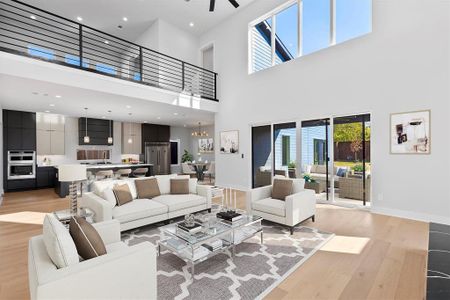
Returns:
<point x="402" y="66"/>
<point x="71" y="145"/>
<point x="168" y="39"/>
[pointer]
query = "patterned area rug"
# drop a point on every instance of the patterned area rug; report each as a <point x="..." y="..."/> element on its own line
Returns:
<point x="252" y="273"/>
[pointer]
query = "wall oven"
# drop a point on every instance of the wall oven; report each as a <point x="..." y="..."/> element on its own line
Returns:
<point x="21" y="165"/>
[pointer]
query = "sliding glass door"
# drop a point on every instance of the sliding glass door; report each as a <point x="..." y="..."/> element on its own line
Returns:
<point x="351" y="139"/>
<point x="261" y="155"/>
<point x="285" y="149"/>
<point x="315" y="156"/>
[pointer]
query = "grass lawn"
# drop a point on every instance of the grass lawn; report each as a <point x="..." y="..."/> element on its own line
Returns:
<point x="350" y="164"/>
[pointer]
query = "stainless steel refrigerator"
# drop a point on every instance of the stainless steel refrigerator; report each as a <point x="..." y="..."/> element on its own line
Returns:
<point x="158" y="154"/>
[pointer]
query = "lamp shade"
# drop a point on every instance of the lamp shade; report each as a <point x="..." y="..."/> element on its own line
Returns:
<point x="71" y="173"/>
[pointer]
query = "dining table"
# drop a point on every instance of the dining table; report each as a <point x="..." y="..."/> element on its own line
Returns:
<point x="200" y="168"/>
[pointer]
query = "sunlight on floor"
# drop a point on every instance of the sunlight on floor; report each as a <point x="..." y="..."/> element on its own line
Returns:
<point x="24" y="217"/>
<point x="346" y="244"/>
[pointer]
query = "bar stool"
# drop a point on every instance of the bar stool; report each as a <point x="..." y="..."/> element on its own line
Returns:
<point x="102" y="175"/>
<point x="140" y="172"/>
<point x="122" y="173"/>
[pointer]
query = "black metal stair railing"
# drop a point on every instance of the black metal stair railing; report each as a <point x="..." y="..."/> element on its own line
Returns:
<point x="29" y="31"/>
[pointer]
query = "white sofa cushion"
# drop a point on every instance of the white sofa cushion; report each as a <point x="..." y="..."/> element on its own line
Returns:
<point x="192" y="183"/>
<point x="164" y="183"/>
<point x="58" y="242"/>
<point x="270" y="206"/>
<point x="138" y="209"/>
<point x="179" y="202"/>
<point x="115" y="247"/>
<point x="108" y="195"/>
<point x="99" y="187"/>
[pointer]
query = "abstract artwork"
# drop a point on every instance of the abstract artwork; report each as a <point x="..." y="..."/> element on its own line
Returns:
<point x="410" y="132"/>
<point x="206" y="145"/>
<point x="229" y="142"/>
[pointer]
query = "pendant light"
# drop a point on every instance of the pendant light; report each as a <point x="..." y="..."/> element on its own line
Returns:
<point x="130" y="140"/>
<point x="86" y="138"/>
<point x="110" y="138"/>
<point x="199" y="133"/>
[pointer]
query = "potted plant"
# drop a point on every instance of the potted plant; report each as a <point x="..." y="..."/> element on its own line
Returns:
<point x="187" y="157"/>
<point x="291" y="169"/>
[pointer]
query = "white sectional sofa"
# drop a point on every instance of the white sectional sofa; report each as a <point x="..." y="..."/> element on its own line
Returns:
<point x="140" y="212"/>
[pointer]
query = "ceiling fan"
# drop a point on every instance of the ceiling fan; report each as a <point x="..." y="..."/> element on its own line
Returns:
<point x="212" y="4"/>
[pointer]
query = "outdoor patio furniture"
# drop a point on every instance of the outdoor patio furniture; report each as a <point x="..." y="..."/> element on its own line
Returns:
<point x="352" y="187"/>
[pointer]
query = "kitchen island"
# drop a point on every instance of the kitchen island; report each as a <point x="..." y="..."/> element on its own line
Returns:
<point x="62" y="188"/>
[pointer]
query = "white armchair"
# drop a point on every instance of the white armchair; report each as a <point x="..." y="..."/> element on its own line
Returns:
<point x="123" y="273"/>
<point x="296" y="208"/>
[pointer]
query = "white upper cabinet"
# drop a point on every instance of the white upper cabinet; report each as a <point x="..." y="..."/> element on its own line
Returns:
<point x="50" y="134"/>
<point x="131" y="138"/>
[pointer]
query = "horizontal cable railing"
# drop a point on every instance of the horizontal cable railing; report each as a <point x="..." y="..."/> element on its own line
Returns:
<point x="32" y="32"/>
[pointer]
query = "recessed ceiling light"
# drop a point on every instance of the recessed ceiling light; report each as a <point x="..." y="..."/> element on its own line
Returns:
<point x="175" y="114"/>
<point x="79" y="19"/>
<point x="103" y="117"/>
<point x="120" y="26"/>
<point x="128" y="106"/>
<point x="33" y="17"/>
<point x="47" y="111"/>
<point x="159" y="118"/>
<point x="191" y="24"/>
<point x="125" y="19"/>
<point x="145" y="122"/>
<point x="106" y="42"/>
<point x="184" y="125"/>
<point x="58" y="96"/>
<point x="52" y="105"/>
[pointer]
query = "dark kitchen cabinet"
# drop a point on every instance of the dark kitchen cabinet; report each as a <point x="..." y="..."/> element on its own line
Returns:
<point x="13" y="119"/>
<point x="28" y="139"/>
<point x="97" y="130"/>
<point x="20" y="185"/>
<point x="14" y="139"/>
<point x="20" y="130"/>
<point x="45" y="177"/>
<point x="154" y="133"/>
<point x="19" y="133"/>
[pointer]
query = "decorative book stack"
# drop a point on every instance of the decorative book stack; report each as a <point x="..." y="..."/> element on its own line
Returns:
<point x="230" y="216"/>
<point x="190" y="229"/>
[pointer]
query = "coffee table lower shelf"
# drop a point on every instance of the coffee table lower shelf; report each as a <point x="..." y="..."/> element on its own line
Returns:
<point x="186" y="250"/>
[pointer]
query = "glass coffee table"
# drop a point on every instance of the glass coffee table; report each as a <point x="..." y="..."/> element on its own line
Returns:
<point x="216" y="236"/>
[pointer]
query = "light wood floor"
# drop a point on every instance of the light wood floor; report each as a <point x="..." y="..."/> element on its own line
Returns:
<point x="371" y="257"/>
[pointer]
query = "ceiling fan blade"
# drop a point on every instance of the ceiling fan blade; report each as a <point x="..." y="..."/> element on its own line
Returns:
<point x="212" y="5"/>
<point x="234" y="3"/>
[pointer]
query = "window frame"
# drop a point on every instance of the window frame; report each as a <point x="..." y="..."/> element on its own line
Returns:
<point x="272" y="15"/>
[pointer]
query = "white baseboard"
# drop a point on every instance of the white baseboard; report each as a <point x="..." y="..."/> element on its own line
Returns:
<point x="410" y="215"/>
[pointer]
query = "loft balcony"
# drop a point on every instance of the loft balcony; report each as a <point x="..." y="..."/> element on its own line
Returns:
<point x="29" y="31"/>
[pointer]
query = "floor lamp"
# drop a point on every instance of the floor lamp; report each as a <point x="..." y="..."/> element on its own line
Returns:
<point x="72" y="174"/>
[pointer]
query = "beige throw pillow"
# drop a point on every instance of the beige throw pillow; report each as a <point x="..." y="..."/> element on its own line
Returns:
<point x="123" y="194"/>
<point x="179" y="186"/>
<point x="147" y="188"/>
<point x="281" y="188"/>
<point x="87" y="240"/>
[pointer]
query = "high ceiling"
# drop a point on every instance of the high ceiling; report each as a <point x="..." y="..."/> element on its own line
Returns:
<point x="106" y="15"/>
